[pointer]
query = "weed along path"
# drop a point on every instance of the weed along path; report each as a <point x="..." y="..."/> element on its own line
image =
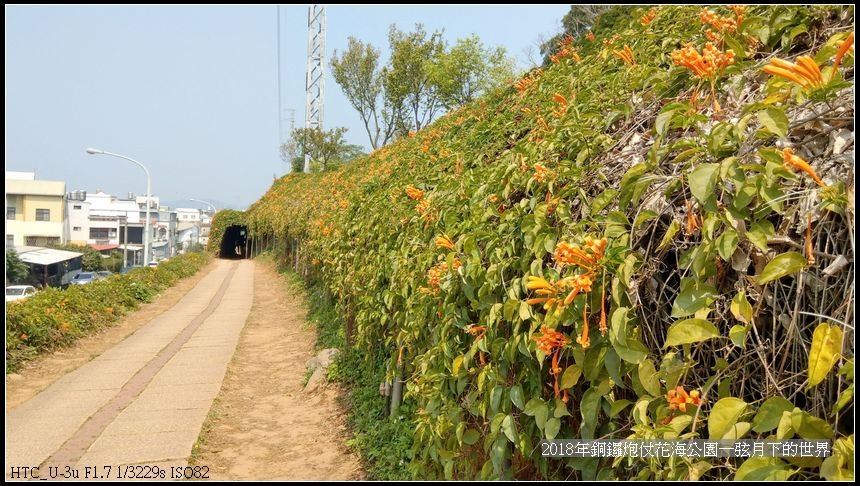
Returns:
<point x="134" y="407"/>
<point x="263" y="425"/>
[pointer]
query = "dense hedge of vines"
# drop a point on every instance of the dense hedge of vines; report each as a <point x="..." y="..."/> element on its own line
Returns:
<point x="652" y="237"/>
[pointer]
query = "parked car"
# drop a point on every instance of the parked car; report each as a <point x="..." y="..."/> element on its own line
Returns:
<point x="104" y="274"/>
<point x="19" y="292"/>
<point x="84" y="278"/>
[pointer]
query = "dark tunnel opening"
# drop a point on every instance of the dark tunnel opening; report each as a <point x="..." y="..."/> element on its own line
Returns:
<point x="234" y="243"/>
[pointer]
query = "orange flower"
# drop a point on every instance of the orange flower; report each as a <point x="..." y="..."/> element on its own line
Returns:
<point x="445" y="242"/>
<point x="578" y="284"/>
<point x="541" y="172"/>
<point x="590" y="36"/>
<point x="679" y="399"/>
<point x="549" y="340"/>
<point x="793" y="161"/>
<point x="423" y="206"/>
<point x="603" y="327"/>
<point x="414" y="193"/>
<point x="436" y="272"/>
<point x="805" y="72"/>
<point x="705" y="65"/>
<point x="568" y="254"/>
<point x="626" y="55"/>
<point x="560" y="99"/>
<point x="583" y="339"/>
<point x="722" y="24"/>
<point x="649" y="17"/>
<point x="693" y="221"/>
<point x="846" y="45"/>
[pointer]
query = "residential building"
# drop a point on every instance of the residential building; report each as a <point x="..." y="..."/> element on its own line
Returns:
<point x="106" y="222"/>
<point x="35" y="210"/>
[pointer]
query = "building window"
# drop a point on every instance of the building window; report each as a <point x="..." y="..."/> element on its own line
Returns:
<point x="43" y="214"/>
<point x="76" y="206"/>
<point x="102" y="233"/>
<point x="31" y="240"/>
<point x="10" y="212"/>
<point x="76" y="228"/>
<point x="10" y="241"/>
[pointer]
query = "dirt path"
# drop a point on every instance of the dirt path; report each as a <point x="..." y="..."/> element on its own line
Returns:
<point x="262" y="426"/>
<point x="36" y="375"/>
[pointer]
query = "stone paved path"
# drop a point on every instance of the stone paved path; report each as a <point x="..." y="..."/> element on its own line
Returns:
<point x="144" y="400"/>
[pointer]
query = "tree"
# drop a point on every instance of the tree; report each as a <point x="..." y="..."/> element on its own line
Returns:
<point x="407" y="79"/>
<point x="16" y="270"/>
<point x="579" y="20"/>
<point x="326" y="148"/>
<point x="358" y="74"/>
<point x="469" y="69"/>
<point x="91" y="260"/>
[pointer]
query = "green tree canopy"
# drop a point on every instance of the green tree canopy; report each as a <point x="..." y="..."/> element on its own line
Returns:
<point x="326" y="148"/>
<point x="16" y="270"/>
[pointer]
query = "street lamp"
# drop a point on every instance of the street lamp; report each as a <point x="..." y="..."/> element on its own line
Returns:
<point x="146" y="236"/>
<point x="211" y="207"/>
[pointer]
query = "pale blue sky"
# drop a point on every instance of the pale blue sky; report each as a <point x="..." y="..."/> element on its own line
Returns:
<point x="191" y="92"/>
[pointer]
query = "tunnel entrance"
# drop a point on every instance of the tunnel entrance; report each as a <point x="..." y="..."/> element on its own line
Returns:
<point x="234" y="243"/>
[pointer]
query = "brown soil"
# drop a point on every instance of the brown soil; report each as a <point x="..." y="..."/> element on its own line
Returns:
<point x="262" y="425"/>
<point x="38" y="374"/>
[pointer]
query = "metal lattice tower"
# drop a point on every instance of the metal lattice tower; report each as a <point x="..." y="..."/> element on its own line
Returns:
<point x="315" y="81"/>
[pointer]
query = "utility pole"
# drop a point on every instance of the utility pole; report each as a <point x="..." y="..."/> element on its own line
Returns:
<point x="315" y="80"/>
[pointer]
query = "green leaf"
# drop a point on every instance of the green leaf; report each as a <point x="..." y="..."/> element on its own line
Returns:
<point x="618" y="406"/>
<point x="694" y="295"/>
<point x="551" y="429"/>
<point x="589" y="408"/>
<point x="770" y="413"/>
<point x="570" y="376"/>
<point x="781" y="265"/>
<point x="774" y="121"/>
<point x="840" y="465"/>
<point x="846" y="397"/>
<point x="724" y="415"/>
<point x="471" y="436"/>
<point x="648" y="378"/>
<point x="537" y="409"/>
<point x="458" y="362"/>
<point x="738" y="335"/>
<point x="671" y="231"/>
<point x="495" y="398"/>
<point x="509" y="428"/>
<point x="741" y="308"/>
<point x="808" y="427"/>
<point x="824" y="352"/>
<point x="633" y="352"/>
<point x="602" y="200"/>
<point x="560" y="409"/>
<point x="763" y="469"/>
<point x="737" y="431"/>
<point x="703" y="181"/>
<point x="690" y="331"/>
<point x="525" y="311"/>
<point x="726" y="244"/>
<point x="517" y="396"/>
<point x="618" y="325"/>
<point x="784" y="431"/>
<point x="759" y="233"/>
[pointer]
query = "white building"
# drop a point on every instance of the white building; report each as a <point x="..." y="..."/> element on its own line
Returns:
<point x="106" y="222"/>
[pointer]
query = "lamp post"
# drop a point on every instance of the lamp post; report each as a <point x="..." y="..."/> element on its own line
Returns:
<point x="211" y="207"/>
<point x="146" y="236"/>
